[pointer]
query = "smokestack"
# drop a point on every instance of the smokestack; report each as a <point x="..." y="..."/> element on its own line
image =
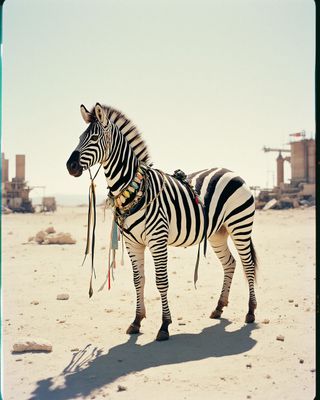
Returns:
<point x="280" y="169"/>
<point x="5" y="169"/>
<point x="20" y="167"/>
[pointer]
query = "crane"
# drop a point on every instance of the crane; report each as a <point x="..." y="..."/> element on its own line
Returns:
<point x="268" y="149"/>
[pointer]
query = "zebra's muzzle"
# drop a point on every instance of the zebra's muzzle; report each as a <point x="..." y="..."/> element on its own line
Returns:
<point x="73" y="164"/>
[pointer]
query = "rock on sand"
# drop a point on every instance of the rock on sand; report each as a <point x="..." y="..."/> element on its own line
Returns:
<point x="31" y="345"/>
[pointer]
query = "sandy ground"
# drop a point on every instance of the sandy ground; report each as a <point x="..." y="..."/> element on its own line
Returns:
<point x="204" y="358"/>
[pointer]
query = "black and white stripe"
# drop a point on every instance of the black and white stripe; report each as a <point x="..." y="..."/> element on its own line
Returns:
<point x="172" y="216"/>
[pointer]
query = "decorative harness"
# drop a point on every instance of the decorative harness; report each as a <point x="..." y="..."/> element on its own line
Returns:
<point x="125" y="204"/>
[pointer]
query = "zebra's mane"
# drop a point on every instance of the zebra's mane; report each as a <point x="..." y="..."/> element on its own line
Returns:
<point x="128" y="130"/>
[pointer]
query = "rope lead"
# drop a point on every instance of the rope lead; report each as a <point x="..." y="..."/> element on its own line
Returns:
<point x="92" y="218"/>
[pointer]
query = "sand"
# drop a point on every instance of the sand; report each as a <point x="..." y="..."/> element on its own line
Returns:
<point x="93" y="358"/>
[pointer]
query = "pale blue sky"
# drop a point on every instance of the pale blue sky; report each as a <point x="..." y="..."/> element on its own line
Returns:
<point x="207" y="82"/>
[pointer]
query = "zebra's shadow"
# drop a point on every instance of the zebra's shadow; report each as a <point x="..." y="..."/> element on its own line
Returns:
<point x="90" y="369"/>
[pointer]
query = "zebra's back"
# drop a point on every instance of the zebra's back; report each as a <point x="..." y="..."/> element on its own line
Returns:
<point x="225" y="196"/>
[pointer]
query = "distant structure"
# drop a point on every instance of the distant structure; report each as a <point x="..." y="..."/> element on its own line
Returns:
<point x="301" y="189"/>
<point x="49" y="204"/>
<point x="15" y="193"/>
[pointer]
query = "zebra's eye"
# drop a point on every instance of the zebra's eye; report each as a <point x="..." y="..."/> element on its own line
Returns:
<point x="94" y="137"/>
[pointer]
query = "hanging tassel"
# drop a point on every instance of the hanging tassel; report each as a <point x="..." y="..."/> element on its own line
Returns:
<point x="122" y="249"/>
<point x="114" y="236"/>
<point x="93" y="202"/>
<point x="204" y="239"/>
<point x="113" y="246"/>
<point x="86" y="252"/>
<point x="195" y="277"/>
<point x="92" y="218"/>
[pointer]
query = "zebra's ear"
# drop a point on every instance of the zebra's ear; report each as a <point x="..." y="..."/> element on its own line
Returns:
<point x="100" y="114"/>
<point x="85" y="114"/>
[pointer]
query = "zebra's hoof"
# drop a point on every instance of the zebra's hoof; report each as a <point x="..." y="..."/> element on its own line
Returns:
<point x="216" y="314"/>
<point x="133" y="329"/>
<point x="250" y="318"/>
<point x="162" y="335"/>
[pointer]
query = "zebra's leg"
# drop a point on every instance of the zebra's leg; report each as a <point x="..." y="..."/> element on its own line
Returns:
<point x="249" y="261"/>
<point x="136" y="254"/>
<point x="160" y="256"/>
<point x="219" y="243"/>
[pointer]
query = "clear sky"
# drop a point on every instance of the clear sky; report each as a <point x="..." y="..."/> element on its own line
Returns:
<point x="209" y="83"/>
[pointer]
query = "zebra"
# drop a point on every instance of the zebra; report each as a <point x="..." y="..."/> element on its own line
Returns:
<point x="158" y="210"/>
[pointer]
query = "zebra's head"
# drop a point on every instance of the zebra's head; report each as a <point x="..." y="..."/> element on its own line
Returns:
<point x="94" y="144"/>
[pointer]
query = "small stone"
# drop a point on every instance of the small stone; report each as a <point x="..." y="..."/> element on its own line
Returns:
<point x="62" y="321"/>
<point x="35" y="302"/>
<point x="291" y="301"/>
<point x="248" y="396"/>
<point x="296" y="305"/>
<point x="18" y="359"/>
<point x="108" y="310"/>
<point x="301" y="361"/>
<point x="268" y="376"/>
<point x="31" y="345"/>
<point x="121" y="388"/>
<point x="313" y="370"/>
<point x="75" y="349"/>
<point x="249" y="365"/>
<point x="266" y="321"/>
<point x="179" y="318"/>
<point x="182" y="323"/>
<point x="281" y="338"/>
<point x="63" y="296"/>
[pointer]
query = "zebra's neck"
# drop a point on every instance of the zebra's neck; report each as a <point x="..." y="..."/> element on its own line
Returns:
<point x="121" y="164"/>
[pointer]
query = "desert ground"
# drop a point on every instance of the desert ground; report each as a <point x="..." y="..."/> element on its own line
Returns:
<point x="93" y="358"/>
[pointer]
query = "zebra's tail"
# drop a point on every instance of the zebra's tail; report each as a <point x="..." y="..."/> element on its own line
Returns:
<point x="254" y="259"/>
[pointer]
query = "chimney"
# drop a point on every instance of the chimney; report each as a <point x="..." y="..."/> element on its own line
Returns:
<point x="5" y="169"/>
<point x="20" y="167"/>
<point x="280" y="169"/>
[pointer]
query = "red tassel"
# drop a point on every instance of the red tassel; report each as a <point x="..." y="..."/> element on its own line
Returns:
<point x="109" y="280"/>
<point x="197" y="200"/>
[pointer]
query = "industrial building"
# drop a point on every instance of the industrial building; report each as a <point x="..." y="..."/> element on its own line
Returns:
<point x="301" y="189"/>
<point x="15" y="193"/>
